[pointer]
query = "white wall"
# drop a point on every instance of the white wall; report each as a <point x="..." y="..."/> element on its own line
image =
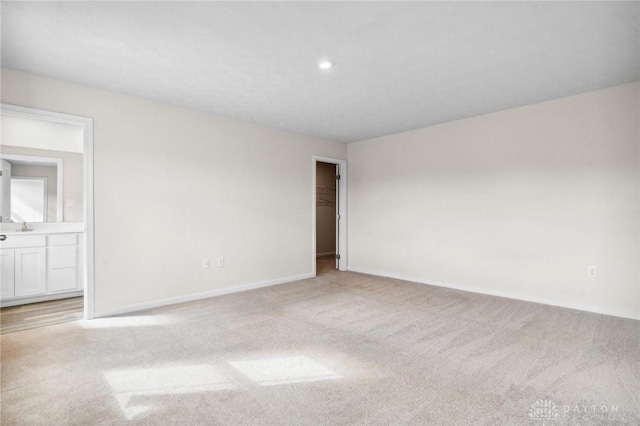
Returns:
<point x="40" y="134"/>
<point x="517" y="203"/>
<point x="174" y="186"/>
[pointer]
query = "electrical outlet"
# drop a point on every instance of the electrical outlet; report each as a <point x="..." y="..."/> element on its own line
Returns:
<point x="221" y="262"/>
<point x="592" y="272"/>
<point x="206" y="263"/>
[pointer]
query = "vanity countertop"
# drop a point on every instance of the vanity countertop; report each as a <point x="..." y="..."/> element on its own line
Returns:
<point x="13" y="234"/>
<point x="13" y="229"/>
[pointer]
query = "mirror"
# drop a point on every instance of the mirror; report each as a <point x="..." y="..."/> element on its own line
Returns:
<point x="41" y="178"/>
<point x="29" y="199"/>
<point x="31" y="189"/>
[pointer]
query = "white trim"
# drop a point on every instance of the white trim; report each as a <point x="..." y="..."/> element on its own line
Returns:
<point x="41" y="114"/>
<point x="191" y="297"/>
<point x="59" y="162"/>
<point x="36" y="299"/>
<point x="542" y="300"/>
<point x="342" y="203"/>
<point x="88" y="251"/>
<point x="88" y="246"/>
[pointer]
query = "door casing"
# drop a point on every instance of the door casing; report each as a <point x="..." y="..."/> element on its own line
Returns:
<point x="88" y="235"/>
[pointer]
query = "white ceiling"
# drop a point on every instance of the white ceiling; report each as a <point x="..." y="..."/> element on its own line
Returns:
<point x="399" y="66"/>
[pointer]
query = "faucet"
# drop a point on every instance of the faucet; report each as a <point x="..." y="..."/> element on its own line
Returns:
<point x="25" y="228"/>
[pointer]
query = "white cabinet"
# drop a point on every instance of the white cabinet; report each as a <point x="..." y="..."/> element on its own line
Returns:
<point x="30" y="273"/>
<point x="40" y="267"/>
<point x="7" y="273"/>
<point x="64" y="263"/>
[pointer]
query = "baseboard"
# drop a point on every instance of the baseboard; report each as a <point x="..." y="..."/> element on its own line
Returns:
<point x="330" y="253"/>
<point x="191" y="297"/>
<point x="552" y="302"/>
<point x="36" y="299"/>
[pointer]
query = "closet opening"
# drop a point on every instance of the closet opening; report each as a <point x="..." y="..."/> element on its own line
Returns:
<point x="329" y="212"/>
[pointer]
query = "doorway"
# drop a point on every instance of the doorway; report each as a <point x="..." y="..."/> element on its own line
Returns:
<point x="327" y="190"/>
<point x="58" y="266"/>
<point x="329" y="215"/>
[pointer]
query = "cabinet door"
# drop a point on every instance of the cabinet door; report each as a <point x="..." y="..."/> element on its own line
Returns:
<point x="64" y="279"/>
<point x="30" y="272"/>
<point x="7" y="274"/>
<point x="80" y="263"/>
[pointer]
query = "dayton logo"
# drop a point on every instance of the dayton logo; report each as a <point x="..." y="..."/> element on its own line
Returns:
<point x="545" y="411"/>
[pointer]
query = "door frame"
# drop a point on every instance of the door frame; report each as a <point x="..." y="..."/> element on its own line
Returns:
<point x="88" y="188"/>
<point x="342" y="211"/>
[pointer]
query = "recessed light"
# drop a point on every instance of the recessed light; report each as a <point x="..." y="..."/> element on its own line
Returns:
<point x="325" y="65"/>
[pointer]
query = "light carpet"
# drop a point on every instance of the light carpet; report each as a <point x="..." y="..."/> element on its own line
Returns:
<point x="342" y="348"/>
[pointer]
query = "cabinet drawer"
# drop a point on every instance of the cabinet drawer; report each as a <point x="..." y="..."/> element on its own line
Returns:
<point x="63" y="257"/>
<point x="63" y="240"/>
<point x="19" y="241"/>
<point x="63" y="280"/>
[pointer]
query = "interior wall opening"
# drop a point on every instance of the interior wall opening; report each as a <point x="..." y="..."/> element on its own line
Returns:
<point x="45" y="244"/>
<point x="326" y="217"/>
<point x="333" y="174"/>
